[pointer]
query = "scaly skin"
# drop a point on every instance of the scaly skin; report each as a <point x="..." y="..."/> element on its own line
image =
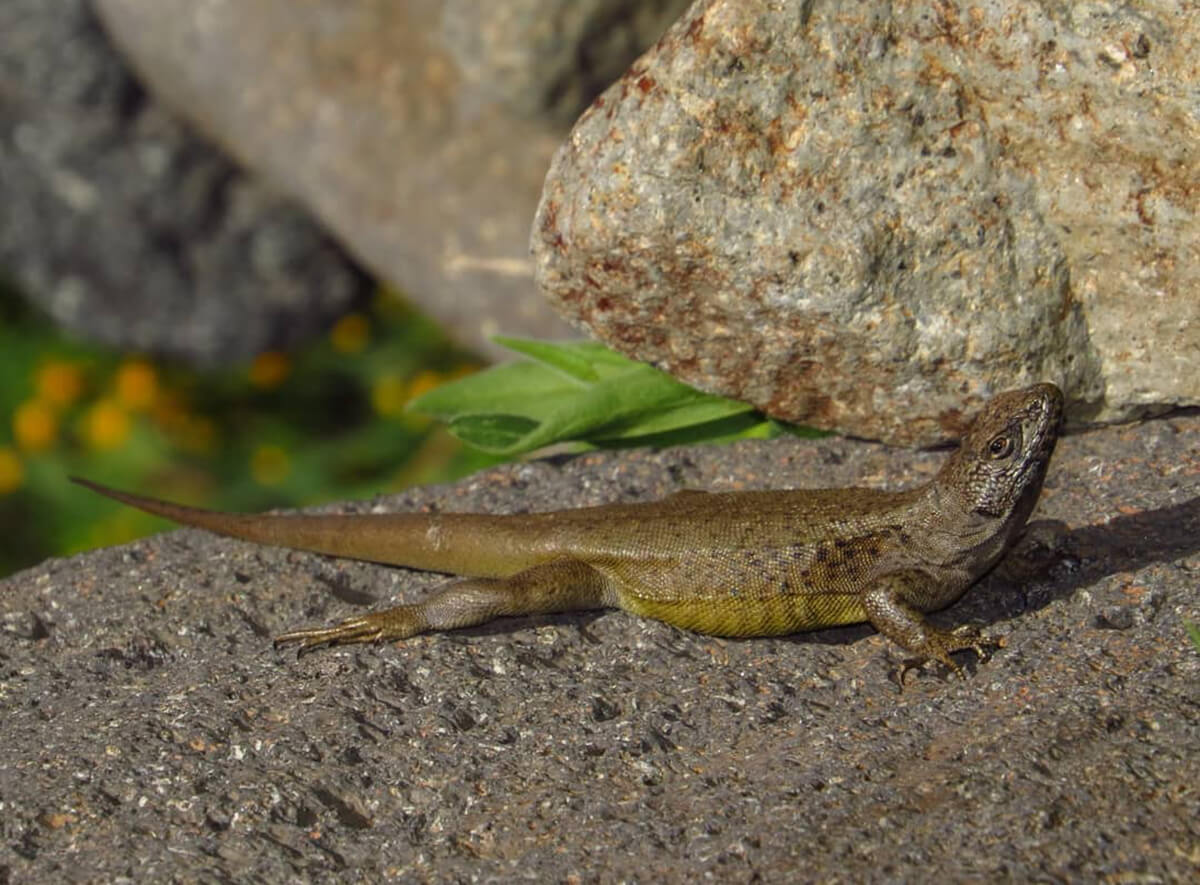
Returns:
<point x="730" y="564"/>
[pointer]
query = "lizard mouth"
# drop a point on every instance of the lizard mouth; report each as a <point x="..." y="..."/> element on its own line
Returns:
<point x="1041" y="422"/>
<point x="1049" y="407"/>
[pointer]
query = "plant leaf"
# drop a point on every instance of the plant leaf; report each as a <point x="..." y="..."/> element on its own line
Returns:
<point x="515" y="388"/>
<point x="698" y="412"/>
<point x="582" y="391"/>
<point x="582" y="360"/>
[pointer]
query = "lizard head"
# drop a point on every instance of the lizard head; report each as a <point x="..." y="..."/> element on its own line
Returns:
<point x="997" y="472"/>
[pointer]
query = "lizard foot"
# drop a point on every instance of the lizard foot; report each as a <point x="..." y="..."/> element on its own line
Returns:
<point x="394" y="623"/>
<point x="939" y="644"/>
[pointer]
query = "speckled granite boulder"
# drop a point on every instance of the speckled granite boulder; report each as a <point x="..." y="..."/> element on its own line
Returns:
<point x="871" y="216"/>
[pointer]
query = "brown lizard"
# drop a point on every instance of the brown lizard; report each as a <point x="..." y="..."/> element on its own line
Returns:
<point x="758" y="563"/>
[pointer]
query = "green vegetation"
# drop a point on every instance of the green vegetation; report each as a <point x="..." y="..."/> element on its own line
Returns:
<point x="347" y="418"/>
<point x="283" y="430"/>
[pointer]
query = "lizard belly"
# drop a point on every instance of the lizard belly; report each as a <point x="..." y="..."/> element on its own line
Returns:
<point x="771" y="615"/>
<point x="769" y="590"/>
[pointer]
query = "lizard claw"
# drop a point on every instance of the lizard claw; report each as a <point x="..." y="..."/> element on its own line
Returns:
<point x="939" y="646"/>
<point x="393" y="623"/>
<point x="358" y="629"/>
<point x="917" y="663"/>
<point x="968" y="637"/>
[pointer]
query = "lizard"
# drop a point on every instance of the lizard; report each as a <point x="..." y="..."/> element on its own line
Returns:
<point x="739" y="564"/>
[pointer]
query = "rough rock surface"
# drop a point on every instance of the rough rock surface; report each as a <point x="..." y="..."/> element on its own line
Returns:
<point x="359" y="109"/>
<point x="152" y="733"/>
<point x="872" y="216"/>
<point x="125" y="227"/>
<point x="549" y="58"/>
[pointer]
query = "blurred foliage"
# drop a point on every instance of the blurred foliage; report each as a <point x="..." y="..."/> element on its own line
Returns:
<point x="284" y="430"/>
<point x="345" y="418"/>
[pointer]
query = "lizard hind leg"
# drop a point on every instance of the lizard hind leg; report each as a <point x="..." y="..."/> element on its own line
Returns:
<point x="555" y="586"/>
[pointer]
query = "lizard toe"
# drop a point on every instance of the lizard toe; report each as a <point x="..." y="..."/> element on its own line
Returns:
<point x="351" y="630"/>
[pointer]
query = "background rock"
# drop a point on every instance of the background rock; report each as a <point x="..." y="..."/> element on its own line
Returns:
<point x="126" y="228"/>
<point x="152" y="733"/>
<point x="549" y="58"/>
<point x="864" y="217"/>
<point x="360" y="111"/>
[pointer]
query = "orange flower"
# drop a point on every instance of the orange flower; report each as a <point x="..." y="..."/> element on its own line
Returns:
<point x="136" y="385"/>
<point x="424" y="382"/>
<point x="59" y="383"/>
<point x="106" y="425"/>
<point x="35" y="426"/>
<point x="270" y="369"/>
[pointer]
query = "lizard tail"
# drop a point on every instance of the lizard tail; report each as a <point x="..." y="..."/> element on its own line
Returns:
<point x="470" y="544"/>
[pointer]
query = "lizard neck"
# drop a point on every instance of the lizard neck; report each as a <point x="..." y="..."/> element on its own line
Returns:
<point x="955" y="536"/>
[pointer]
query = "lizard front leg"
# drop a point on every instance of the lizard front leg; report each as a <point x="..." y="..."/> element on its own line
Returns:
<point x="890" y="612"/>
<point x="557" y="586"/>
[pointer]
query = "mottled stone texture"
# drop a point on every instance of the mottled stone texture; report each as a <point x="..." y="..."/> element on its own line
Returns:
<point x="152" y="734"/>
<point x="871" y="216"/>
<point x="125" y="227"/>
<point x="548" y="58"/>
<point x="361" y="110"/>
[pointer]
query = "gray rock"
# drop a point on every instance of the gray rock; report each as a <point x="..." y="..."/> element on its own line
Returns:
<point x="870" y="217"/>
<point x="152" y="733"/>
<point x="360" y="111"/>
<point x="125" y="228"/>
<point x="549" y="58"/>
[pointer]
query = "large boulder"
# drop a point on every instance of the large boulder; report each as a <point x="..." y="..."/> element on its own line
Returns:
<point x="868" y="216"/>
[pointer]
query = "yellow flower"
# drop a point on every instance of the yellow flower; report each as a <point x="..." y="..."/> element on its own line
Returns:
<point x="136" y="385"/>
<point x="59" y="383"/>
<point x="389" y="394"/>
<point x="270" y="465"/>
<point x="12" y="471"/>
<point x="270" y="369"/>
<point x="106" y="425"/>
<point x="35" y="426"/>
<point x="350" y="333"/>
<point x="424" y="382"/>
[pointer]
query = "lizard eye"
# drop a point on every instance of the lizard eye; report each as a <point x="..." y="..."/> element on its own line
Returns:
<point x="1001" y="446"/>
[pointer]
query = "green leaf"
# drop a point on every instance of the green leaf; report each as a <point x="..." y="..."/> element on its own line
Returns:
<point x="686" y="414"/>
<point x="516" y="388"/>
<point x="581" y="391"/>
<point x="748" y="425"/>
<point x="1194" y="632"/>
<point x="493" y="433"/>
<point x="582" y="360"/>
